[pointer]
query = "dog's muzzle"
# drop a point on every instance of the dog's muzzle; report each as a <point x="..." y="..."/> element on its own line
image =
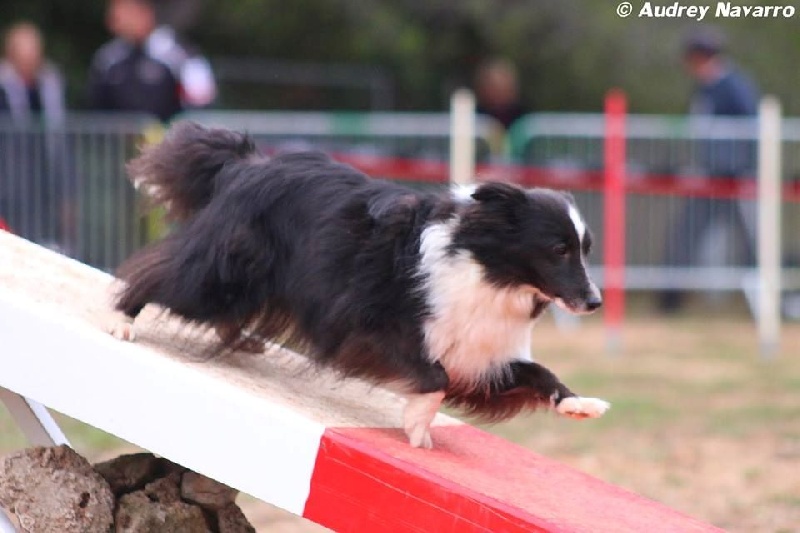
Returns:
<point x="589" y="302"/>
<point x="594" y="300"/>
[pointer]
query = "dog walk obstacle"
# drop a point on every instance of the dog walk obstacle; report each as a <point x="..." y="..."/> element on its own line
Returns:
<point x="298" y="438"/>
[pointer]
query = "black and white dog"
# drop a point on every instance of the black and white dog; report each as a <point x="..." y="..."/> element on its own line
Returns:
<point x="432" y="294"/>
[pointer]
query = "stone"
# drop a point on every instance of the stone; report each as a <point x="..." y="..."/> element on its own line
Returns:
<point x="129" y="473"/>
<point x="231" y="519"/>
<point x="166" y="489"/>
<point x="137" y="513"/>
<point x="50" y="489"/>
<point x="206" y="492"/>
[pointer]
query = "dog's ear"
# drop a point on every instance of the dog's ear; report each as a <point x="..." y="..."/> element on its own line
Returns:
<point x="500" y="202"/>
<point x="502" y="193"/>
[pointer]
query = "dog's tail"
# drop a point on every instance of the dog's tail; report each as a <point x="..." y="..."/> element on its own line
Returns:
<point x="180" y="173"/>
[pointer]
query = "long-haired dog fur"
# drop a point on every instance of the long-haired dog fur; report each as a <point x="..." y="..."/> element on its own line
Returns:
<point x="432" y="294"/>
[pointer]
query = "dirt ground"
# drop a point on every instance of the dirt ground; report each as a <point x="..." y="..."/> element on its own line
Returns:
<point x="699" y="421"/>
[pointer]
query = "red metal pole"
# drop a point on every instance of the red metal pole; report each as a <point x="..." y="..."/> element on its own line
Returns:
<point x="614" y="215"/>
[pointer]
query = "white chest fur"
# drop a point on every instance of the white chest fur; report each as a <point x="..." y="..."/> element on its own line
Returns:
<point x="474" y="328"/>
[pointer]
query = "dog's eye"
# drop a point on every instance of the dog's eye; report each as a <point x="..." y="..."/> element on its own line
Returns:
<point x="561" y="249"/>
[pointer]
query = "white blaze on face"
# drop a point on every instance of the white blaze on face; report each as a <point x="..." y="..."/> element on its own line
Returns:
<point x="577" y="221"/>
<point x="580" y="230"/>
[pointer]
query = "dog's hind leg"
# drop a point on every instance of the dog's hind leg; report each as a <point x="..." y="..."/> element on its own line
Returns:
<point x="142" y="274"/>
<point x="122" y="327"/>
<point x="232" y="335"/>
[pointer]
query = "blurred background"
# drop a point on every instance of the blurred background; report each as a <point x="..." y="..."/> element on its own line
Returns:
<point x="700" y="421"/>
<point x="568" y="53"/>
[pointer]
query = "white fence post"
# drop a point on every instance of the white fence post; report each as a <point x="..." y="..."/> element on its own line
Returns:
<point x="769" y="225"/>
<point x="462" y="137"/>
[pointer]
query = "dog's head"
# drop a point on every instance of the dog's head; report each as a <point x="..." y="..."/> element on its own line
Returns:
<point x="534" y="238"/>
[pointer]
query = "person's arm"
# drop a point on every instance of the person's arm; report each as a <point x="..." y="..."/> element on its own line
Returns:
<point x="198" y="88"/>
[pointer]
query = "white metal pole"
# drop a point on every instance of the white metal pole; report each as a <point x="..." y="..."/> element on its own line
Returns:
<point x="33" y="419"/>
<point x="769" y="225"/>
<point x="462" y="137"/>
<point x="6" y="525"/>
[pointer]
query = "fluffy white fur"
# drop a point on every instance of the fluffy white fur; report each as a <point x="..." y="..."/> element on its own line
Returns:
<point x="579" y="407"/>
<point x="475" y="328"/>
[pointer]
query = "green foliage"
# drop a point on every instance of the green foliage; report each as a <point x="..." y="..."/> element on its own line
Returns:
<point x="570" y="52"/>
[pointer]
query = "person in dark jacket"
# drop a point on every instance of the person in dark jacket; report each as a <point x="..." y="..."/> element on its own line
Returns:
<point x="721" y="90"/>
<point x="144" y="68"/>
<point x="497" y="91"/>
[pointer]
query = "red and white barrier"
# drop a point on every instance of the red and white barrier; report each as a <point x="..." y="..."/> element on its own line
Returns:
<point x="325" y="449"/>
<point x="614" y="217"/>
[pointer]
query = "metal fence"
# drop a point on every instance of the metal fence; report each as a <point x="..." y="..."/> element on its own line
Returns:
<point x="690" y="192"/>
<point x="408" y="146"/>
<point x="65" y="187"/>
<point x="690" y="186"/>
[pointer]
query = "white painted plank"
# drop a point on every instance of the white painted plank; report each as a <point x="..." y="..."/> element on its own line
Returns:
<point x="171" y="408"/>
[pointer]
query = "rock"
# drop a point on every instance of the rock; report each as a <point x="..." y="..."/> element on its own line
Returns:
<point x="206" y="492"/>
<point x="137" y="513"/>
<point x="55" y="489"/>
<point x="165" y="490"/>
<point x="129" y="473"/>
<point x="231" y="519"/>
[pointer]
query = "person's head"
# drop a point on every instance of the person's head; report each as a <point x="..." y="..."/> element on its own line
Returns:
<point x="496" y="83"/>
<point x="132" y="20"/>
<point x="24" y="50"/>
<point x="702" y="54"/>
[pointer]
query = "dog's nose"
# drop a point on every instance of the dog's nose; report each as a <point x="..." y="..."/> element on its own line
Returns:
<point x="593" y="303"/>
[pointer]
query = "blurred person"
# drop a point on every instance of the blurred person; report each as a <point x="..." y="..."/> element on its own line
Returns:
<point x="497" y="91"/>
<point x="29" y="84"/>
<point x="721" y="90"/>
<point x="145" y="68"/>
<point x="36" y="192"/>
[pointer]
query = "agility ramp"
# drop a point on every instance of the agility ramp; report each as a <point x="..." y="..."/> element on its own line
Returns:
<point x="269" y="426"/>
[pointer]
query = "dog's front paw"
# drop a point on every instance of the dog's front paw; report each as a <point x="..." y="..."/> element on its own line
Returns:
<point x="419" y="437"/>
<point x="417" y="417"/>
<point x="578" y="407"/>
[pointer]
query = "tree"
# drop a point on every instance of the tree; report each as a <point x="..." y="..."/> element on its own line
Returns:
<point x="569" y="52"/>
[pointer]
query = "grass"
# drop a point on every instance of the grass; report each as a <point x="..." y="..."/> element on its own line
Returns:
<point x="699" y="421"/>
<point x="90" y="441"/>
